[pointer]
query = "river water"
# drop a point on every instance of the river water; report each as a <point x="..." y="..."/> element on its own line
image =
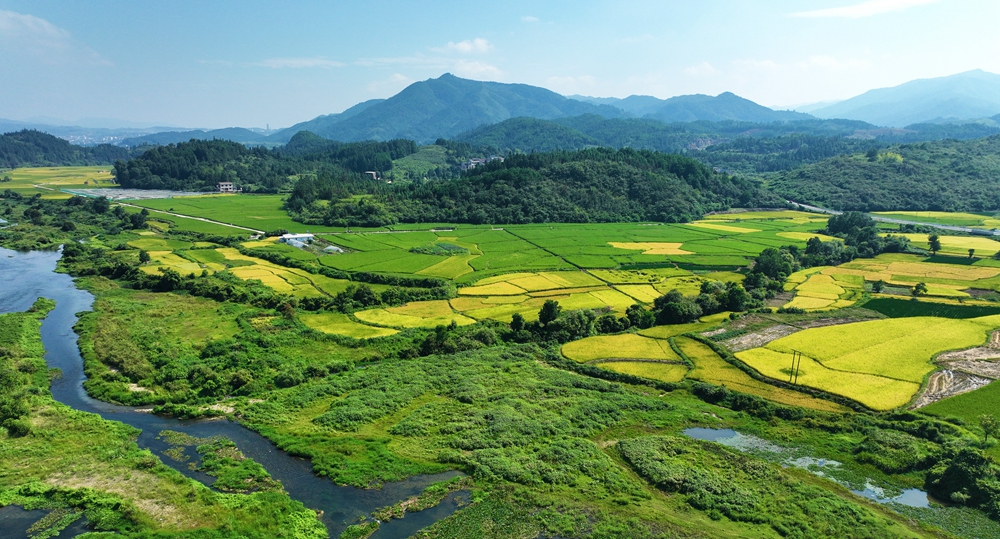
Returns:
<point x="24" y="277"/>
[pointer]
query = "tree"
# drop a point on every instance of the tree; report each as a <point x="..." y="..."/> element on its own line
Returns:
<point x="972" y="253"/>
<point x="516" y="322"/>
<point x="990" y="426"/>
<point x="934" y="242"/>
<point x="100" y="205"/>
<point x="143" y="257"/>
<point x="878" y="285"/>
<point x="549" y="311"/>
<point x="919" y="289"/>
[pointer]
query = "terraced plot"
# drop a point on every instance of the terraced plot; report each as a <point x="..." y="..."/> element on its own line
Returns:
<point x="418" y="314"/>
<point x="710" y="368"/>
<point x="341" y="324"/>
<point x="624" y="346"/>
<point x="879" y="363"/>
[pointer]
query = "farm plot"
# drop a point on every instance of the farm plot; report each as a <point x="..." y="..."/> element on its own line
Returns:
<point x="710" y="368"/>
<point x="341" y="324"/>
<point x="260" y="212"/>
<point x="879" y="363"/>
<point x="418" y="314"/>
<point x="624" y="346"/>
<point x="664" y="372"/>
<point x="816" y="289"/>
<point x="48" y="181"/>
<point x="958" y="245"/>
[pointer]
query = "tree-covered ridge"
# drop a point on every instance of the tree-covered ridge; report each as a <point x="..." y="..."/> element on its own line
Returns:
<point x="599" y="184"/>
<point x="947" y="175"/>
<point x="34" y="148"/>
<point x="198" y="165"/>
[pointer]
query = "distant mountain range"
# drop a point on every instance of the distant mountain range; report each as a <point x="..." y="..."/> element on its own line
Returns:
<point x="972" y="95"/>
<point x="444" y="107"/>
<point x="698" y="107"/>
<point x="452" y="107"/>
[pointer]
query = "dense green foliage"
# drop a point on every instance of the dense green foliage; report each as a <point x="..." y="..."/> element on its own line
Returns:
<point x="947" y="175"/>
<point x="29" y="148"/>
<point x="597" y="185"/>
<point x="198" y="165"/>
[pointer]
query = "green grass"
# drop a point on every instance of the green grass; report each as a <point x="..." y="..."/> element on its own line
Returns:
<point x="259" y="212"/>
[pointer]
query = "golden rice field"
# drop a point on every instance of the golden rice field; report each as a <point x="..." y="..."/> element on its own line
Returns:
<point x="664" y="372"/>
<point x="418" y="314"/>
<point x="879" y="363"/>
<point x="723" y="228"/>
<point x="623" y="346"/>
<point x="816" y="289"/>
<point x="710" y="368"/>
<point x="48" y="181"/>
<point x="651" y="248"/>
<point x="341" y="324"/>
<point x="789" y="215"/>
<point x="959" y="245"/>
<point x="806" y="236"/>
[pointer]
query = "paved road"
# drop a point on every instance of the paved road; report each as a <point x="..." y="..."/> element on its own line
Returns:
<point x="883" y="219"/>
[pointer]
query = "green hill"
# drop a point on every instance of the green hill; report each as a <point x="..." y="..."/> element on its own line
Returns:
<point x="947" y="175"/>
<point x="29" y="148"/>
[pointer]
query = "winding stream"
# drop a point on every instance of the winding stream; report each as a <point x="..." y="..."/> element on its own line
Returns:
<point x="24" y="277"/>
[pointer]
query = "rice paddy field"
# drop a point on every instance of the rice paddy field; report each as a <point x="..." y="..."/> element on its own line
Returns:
<point x="972" y="220"/>
<point x="48" y="181"/>
<point x="881" y="364"/>
<point x="514" y="269"/>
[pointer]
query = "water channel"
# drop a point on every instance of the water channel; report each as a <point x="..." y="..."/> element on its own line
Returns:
<point x="24" y="277"/>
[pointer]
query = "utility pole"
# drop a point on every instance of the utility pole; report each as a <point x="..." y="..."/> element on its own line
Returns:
<point x="793" y="374"/>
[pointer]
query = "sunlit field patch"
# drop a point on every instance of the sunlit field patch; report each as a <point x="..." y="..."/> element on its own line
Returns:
<point x="624" y="346"/>
<point x="724" y="228"/>
<point x="896" y="352"/>
<point x="806" y="236"/>
<point x="389" y="317"/>
<point x="710" y="368"/>
<point x="341" y="324"/>
<point x="651" y="248"/>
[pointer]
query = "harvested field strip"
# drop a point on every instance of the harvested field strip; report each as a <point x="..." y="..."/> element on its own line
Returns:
<point x="624" y="346"/>
<point x="664" y="372"/>
<point x="665" y="332"/>
<point x="710" y="368"/>
<point x="875" y="392"/>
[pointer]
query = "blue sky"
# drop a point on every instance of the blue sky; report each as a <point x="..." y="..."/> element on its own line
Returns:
<point x="251" y="63"/>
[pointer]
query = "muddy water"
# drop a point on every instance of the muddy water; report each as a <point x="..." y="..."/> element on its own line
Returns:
<point x="24" y="277"/>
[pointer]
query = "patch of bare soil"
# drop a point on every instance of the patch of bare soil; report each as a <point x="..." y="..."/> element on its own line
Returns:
<point x="715" y="332"/>
<point x="948" y="383"/>
<point x="758" y="338"/>
<point x="990" y="351"/>
<point x="985" y="369"/>
<point x="822" y="322"/>
<point x="780" y="299"/>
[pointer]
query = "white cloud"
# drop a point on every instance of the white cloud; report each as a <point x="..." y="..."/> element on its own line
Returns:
<point x="864" y="9"/>
<point x="476" y="70"/>
<point x="703" y="69"/>
<point x="529" y="18"/>
<point x="299" y="63"/>
<point x="469" y="46"/>
<point x="27" y="34"/>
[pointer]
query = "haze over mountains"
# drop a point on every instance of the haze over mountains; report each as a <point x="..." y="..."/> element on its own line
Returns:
<point x="966" y="96"/>
<point x="451" y="107"/>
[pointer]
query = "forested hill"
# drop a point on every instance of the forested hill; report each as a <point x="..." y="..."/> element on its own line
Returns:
<point x="733" y="146"/>
<point x="598" y="184"/>
<point x="947" y="175"/>
<point x="33" y="148"/>
<point x="198" y="165"/>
